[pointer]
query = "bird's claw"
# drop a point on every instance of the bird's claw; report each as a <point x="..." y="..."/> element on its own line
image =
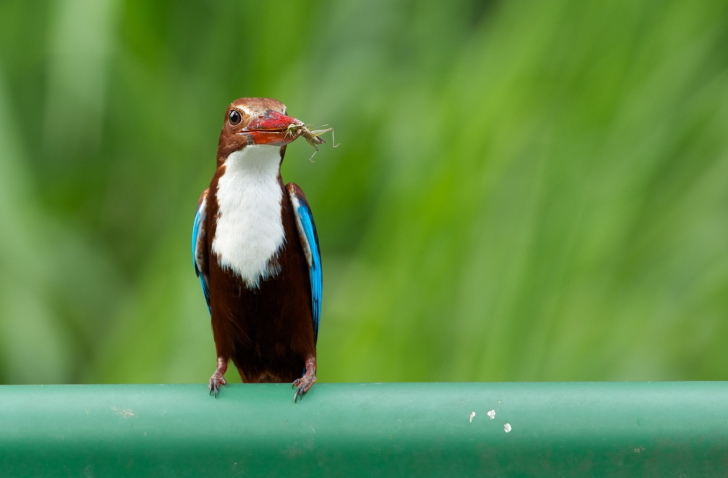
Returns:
<point x="302" y="385"/>
<point x="215" y="381"/>
<point x="298" y="393"/>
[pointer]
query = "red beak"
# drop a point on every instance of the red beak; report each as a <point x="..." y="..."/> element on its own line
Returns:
<point x="272" y="128"/>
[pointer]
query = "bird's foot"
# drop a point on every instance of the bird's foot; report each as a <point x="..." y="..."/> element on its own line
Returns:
<point x="215" y="381"/>
<point x="303" y="384"/>
<point x="218" y="378"/>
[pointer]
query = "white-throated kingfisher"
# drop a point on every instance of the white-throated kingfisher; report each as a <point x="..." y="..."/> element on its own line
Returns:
<point x="256" y="253"/>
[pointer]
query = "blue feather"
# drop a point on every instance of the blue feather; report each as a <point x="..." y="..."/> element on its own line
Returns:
<point x="195" y="234"/>
<point x="311" y="238"/>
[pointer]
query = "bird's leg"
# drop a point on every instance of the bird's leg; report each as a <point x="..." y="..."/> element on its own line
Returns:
<point x="309" y="378"/>
<point x="218" y="378"/>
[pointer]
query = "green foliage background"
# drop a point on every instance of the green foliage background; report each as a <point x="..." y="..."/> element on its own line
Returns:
<point x="524" y="190"/>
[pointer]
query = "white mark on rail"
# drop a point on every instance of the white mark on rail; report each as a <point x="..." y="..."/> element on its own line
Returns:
<point x="472" y="415"/>
<point x="491" y="414"/>
<point x="126" y="413"/>
<point x="507" y="427"/>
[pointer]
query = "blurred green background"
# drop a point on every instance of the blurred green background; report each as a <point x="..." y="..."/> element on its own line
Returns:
<point x="524" y="190"/>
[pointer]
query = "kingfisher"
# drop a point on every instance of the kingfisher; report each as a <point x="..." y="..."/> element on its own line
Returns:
<point x="256" y="252"/>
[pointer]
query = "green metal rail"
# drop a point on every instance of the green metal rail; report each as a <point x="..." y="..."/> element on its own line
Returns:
<point x="349" y="430"/>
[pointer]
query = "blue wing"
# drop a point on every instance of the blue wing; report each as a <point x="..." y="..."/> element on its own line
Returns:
<point x="199" y="258"/>
<point x="309" y="241"/>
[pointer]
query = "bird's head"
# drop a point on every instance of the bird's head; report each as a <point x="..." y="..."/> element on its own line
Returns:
<point x="251" y="121"/>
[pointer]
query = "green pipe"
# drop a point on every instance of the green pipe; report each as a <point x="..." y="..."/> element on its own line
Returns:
<point x="350" y="430"/>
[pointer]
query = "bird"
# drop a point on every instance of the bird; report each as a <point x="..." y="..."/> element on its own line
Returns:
<point x="256" y="252"/>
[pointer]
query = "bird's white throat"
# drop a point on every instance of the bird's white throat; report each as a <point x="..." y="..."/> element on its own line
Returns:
<point x="249" y="231"/>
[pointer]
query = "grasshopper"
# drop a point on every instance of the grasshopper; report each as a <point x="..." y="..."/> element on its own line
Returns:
<point x="312" y="137"/>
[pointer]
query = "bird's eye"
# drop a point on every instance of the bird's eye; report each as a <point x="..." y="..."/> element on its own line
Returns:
<point x="235" y="117"/>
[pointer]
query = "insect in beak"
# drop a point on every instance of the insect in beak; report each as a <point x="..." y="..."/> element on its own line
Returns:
<point x="312" y="137"/>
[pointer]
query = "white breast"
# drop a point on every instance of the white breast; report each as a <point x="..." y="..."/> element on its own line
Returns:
<point x="249" y="231"/>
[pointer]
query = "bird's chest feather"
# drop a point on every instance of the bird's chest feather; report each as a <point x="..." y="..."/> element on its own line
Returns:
<point x="249" y="231"/>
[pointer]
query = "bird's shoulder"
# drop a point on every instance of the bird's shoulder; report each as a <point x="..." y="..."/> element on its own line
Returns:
<point x="203" y="197"/>
<point x="295" y="191"/>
